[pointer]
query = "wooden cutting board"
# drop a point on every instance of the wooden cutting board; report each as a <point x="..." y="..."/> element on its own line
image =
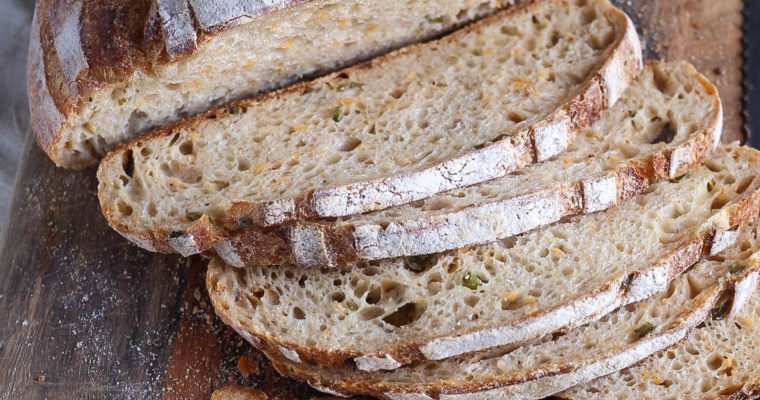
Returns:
<point x="86" y="315"/>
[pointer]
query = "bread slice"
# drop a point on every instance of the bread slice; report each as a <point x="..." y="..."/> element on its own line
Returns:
<point x="561" y="360"/>
<point x="719" y="360"/>
<point x="382" y="315"/>
<point x="397" y="129"/>
<point x="101" y="72"/>
<point x="665" y="123"/>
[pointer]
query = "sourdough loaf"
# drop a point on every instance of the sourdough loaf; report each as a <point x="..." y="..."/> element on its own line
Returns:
<point x="101" y="72"/>
<point x="384" y="314"/>
<point x="400" y="128"/>
<point x="712" y="289"/>
<point x="665" y="123"/>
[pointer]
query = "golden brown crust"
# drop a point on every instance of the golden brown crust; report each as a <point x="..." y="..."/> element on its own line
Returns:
<point x="45" y="117"/>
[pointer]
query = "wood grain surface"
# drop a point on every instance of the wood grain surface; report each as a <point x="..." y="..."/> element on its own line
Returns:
<point x="86" y="315"/>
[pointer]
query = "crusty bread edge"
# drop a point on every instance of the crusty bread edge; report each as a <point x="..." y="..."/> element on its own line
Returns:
<point x="623" y="64"/>
<point x="45" y="118"/>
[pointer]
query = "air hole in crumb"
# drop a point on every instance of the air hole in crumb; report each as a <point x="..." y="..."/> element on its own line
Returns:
<point x="714" y="362"/>
<point x="406" y="314"/>
<point x="744" y="184"/>
<point x="666" y="134"/>
<point x="374" y="295"/>
<point x="554" y="39"/>
<point x="243" y="165"/>
<point x="515" y="117"/>
<point x="298" y="313"/>
<point x="125" y="209"/>
<point x="349" y="144"/>
<point x="338" y="296"/>
<point x="660" y="80"/>
<point x="370" y="313"/>
<point x="272" y="296"/>
<point x="174" y="139"/>
<point x="221" y="184"/>
<point x="145" y="152"/>
<point x="397" y="93"/>
<point x="720" y="201"/>
<point x="471" y="301"/>
<point x="333" y="159"/>
<point x="510" y="30"/>
<point x="186" y="148"/>
<point x="128" y="163"/>
<point x="360" y="287"/>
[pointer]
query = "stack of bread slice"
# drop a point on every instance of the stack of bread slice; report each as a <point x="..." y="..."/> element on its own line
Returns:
<point x="518" y="209"/>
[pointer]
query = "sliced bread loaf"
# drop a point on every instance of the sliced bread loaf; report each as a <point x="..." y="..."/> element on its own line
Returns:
<point x="384" y="314"/>
<point x="665" y="123"/>
<point x="395" y="130"/>
<point x="559" y="361"/>
<point x="100" y="72"/>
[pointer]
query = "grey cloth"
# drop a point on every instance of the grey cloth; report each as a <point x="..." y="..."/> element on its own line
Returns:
<point x="15" y="20"/>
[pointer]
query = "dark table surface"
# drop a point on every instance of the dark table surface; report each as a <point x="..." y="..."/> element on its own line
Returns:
<point x="83" y="314"/>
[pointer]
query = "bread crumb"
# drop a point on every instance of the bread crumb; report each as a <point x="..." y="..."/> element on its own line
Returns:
<point x="246" y="366"/>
